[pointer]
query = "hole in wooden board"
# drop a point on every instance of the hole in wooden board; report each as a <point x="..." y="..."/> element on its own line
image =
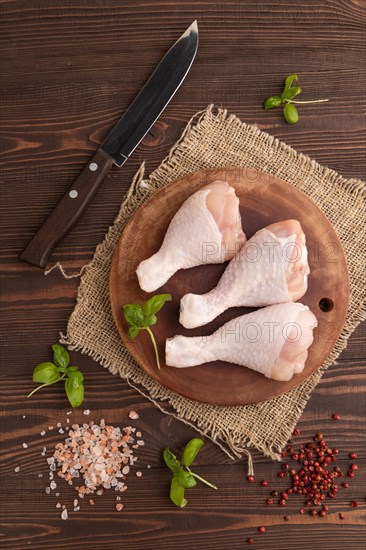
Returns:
<point x="326" y="304"/>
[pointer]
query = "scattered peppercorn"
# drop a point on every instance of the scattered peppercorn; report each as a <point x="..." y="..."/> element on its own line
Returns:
<point x="286" y="518"/>
<point x="353" y="456"/>
<point x="250" y="541"/>
<point x="336" y="416"/>
<point x="264" y="483"/>
<point x="354" y="467"/>
<point x="354" y="503"/>
<point x="341" y="516"/>
<point x="250" y="479"/>
<point x="269" y="501"/>
<point x="296" y="431"/>
<point x="262" y="529"/>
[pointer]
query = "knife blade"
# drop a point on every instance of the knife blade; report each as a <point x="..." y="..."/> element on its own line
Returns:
<point x="121" y="141"/>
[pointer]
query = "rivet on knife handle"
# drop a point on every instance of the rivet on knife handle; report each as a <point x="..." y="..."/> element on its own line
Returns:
<point x="68" y="211"/>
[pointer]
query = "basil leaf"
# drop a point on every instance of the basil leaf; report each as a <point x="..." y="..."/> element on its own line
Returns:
<point x="133" y="332"/>
<point x="74" y="394"/>
<point x="171" y="460"/>
<point x="290" y="113"/>
<point x="293" y="92"/>
<point x="185" y="479"/>
<point x="272" y="101"/>
<point x="191" y="451"/>
<point x="288" y="83"/>
<point x="46" y="373"/>
<point x="76" y="377"/>
<point x="148" y="321"/>
<point x="60" y="356"/>
<point x="155" y="303"/>
<point x="177" y="493"/>
<point x="133" y="314"/>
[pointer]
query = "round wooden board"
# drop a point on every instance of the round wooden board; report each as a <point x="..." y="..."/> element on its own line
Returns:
<point x="264" y="199"/>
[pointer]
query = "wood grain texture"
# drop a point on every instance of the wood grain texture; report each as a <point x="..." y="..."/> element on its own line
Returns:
<point x="272" y="201"/>
<point x="68" y="72"/>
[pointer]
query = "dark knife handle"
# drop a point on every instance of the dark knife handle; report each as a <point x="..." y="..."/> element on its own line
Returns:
<point x="68" y="211"/>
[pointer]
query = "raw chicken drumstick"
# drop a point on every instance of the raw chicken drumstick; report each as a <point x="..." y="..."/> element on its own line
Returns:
<point x="271" y="268"/>
<point x="205" y="230"/>
<point x="273" y="341"/>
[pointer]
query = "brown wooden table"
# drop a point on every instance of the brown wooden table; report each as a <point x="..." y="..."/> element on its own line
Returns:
<point x="69" y="69"/>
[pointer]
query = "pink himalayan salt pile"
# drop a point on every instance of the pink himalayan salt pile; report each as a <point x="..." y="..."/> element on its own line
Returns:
<point x="99" y="454"/>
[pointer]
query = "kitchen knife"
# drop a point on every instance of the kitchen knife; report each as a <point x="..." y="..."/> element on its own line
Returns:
<point x="117" y="147"/>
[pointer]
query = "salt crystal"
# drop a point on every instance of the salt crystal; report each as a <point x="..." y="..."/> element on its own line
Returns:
<point x="68" y="420"/>
<point x="68" y="413"/>
<point x="40" y="475"/>
<point x="50" y="427"/>
<point x="61" y="431"/>
<point x="77" y="508"/>
<point x="24" y="416"/>
<point x="140" y="442"/>
<point x="25" y="446"/>
<point x="64" y="514"/>
<point x="138" y="434"/>
<point x="16" y="469"/>
<point x="139" y="474"/>
<point x="118" y="497"/>
<point x="119" y="507"/>
<point x="53" y="485"/>
<point x="133" y="415"/>
<point x="125" y="470"/>
<point x="57" y="494"/>
<point x="58" y="505"/>
<point x="59" y="424"/>
<point x="43" y="433"/>
<point x="76" y="502"/>
<point x="86" y="412"/>
<point x="48" y="490"/>
<point x="148" y="466"/>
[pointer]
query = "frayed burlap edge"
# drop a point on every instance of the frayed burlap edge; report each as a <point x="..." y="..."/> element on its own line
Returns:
<point x="213" y="138"/>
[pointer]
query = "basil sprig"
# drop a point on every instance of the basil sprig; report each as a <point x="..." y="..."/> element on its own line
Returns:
<point x="286" y="98"/>
<point x="183" y="477"/>
<point x="143" y="316"/>
<point x="48" y="373"/>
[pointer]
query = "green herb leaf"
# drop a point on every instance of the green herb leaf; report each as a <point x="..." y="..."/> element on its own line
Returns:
<point x="75" y="394"/>
<point x="49" y="373"/>
<point x="171" y="460"/>
<point x="148" y="321"/>
<point x="290" y="113"/>
<point x="133" y="314"/>
<point x="293" y="92"/>
<point x="191" y="450"/>
<point x="46" y="373"/>
<point x="60" y="356"/>
<point x="288" y="83"/>
<point x="133" y="332"/>
<point x="272" y="101"/>
<point x="76" y="377"/>
<point x="177" y="493"/>
<point x="144" y="316"/>
<point x="185" y="479"/>
<point x="155" y="303"/>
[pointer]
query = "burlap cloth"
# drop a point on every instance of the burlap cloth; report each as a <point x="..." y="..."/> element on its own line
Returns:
<point x="214" y="138"/>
